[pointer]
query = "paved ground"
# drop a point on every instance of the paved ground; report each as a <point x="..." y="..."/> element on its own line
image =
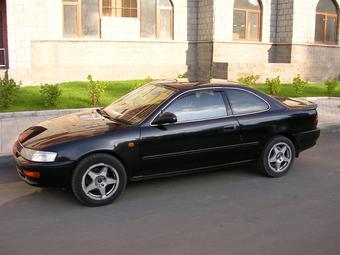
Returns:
<point x="11" y="124"/>
<point x="232" y="211"/>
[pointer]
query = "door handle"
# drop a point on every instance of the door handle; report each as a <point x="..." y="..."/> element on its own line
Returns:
<point x="230" y="127"/>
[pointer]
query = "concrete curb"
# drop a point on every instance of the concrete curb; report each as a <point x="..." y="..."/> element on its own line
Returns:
<point x="318" y="98"/>
<point x="6" y="115"/>
<point x="330" y="128"/>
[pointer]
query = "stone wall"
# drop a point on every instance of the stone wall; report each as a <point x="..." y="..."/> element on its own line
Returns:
<point x="38" y="53"/>
<point x="312" y="62"/>
<point x="35" y="23"/>
<point x="57" y="61"/>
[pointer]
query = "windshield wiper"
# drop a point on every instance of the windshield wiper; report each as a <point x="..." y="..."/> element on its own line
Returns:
<point x="105" y="114"/>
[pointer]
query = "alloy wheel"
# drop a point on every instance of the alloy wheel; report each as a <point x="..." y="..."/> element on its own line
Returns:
<point x="280" y="157"/>
<point x="100" y="181"/>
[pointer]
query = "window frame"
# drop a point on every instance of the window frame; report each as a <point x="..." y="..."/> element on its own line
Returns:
<point x="78" y="5"/>
<point x="249" y="92"/>
<point x="158" y="21"/>
<point x="247" y="11"/>
<point x="79" y="34"/>
<point x="325" y="16"/>
<point x="186" y="93"/>
<point x="111" y="16"/>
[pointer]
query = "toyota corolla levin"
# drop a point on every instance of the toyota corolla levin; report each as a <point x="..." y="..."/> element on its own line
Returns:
<point x="164" y="129"/>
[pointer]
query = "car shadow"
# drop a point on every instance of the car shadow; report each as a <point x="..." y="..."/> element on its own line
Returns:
<point x="135" y="192"/>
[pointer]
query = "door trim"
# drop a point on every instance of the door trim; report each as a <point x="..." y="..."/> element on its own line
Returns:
<point x="190" y="152"/>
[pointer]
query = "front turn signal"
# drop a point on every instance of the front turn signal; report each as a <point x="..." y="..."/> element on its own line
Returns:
<point x="35" y="175"/>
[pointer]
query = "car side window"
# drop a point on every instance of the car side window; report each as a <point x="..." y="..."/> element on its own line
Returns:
<point x="198" y="105"/>
<point x="243" y="102"/>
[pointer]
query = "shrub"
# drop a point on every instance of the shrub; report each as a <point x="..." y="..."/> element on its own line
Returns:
<point x="274" y="85"/>
<point x="8" y="88"/>
<point x="299" y="85"/>
<point x="250" y="80"/>
<point x="50" y="94"/>
<point x="331" y="87"/>
<point x="181" y="76"/>
<point x="96" y="90"/>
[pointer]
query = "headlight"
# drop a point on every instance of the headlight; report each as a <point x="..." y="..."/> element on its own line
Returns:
<point x="38" y="156"/>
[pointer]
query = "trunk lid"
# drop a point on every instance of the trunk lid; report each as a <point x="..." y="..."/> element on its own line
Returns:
<point x="296" y="103"/>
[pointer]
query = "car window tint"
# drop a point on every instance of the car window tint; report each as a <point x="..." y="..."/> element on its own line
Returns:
<point x="198" y="105"/>
<point x="243" y="102"/>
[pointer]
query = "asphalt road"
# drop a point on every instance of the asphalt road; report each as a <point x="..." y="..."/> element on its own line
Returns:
<point x="231" y="211"/>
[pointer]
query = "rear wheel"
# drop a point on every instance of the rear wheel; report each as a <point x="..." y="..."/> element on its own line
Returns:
<point x="277" y="157"/>
<point x="98" y="180"/>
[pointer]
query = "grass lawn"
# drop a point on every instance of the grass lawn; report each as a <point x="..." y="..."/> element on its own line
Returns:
<point x="75" y="95"/>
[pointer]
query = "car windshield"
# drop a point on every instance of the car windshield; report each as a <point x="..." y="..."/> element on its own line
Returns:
<point x="138" y="104"/>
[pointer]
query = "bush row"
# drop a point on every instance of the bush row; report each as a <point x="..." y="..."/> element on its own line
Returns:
<point x="274" y="85"/>
<point x="51" y="93"/>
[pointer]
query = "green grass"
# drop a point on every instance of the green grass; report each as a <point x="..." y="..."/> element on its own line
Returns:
<point x="74" y="95"/>
<point x="311" y="90"/>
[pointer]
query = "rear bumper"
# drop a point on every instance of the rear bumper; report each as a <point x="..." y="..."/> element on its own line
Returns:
<point x="306" y="140"/>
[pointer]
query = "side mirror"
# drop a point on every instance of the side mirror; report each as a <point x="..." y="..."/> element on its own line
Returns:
<point x="165" y="118"/>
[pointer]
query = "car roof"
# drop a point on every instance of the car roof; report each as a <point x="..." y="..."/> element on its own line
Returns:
<point x="182" y="86"/>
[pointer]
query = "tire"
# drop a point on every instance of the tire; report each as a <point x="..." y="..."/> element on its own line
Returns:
<point x="277" y="157"/>
<point x="98" y="180"/>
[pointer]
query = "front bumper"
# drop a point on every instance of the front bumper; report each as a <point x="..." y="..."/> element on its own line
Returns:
<point x="55" y="174"/>
<point x="306" y="140"/>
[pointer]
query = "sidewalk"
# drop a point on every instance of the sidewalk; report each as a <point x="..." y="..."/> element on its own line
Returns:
<point x="12" y="124"/>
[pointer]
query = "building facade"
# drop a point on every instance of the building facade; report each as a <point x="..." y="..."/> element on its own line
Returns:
<point x="49" y="41"/>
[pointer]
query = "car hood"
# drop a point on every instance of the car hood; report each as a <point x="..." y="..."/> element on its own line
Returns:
<point x="67" y="128"/>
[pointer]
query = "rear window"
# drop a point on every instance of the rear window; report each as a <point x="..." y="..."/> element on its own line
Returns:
<point x="243" y="102"/>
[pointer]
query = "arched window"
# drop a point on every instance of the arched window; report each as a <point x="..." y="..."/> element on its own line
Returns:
<point x="165" y="19"/>
<point x="326" y="22"/>
<point x="247" y="20"/>
<point x="157" y="17"/>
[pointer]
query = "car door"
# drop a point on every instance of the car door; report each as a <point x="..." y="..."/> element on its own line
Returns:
<point x="204" y="135"/>
<point x="256" y="122"/>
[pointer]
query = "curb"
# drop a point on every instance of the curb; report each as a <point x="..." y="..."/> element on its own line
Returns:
<point x="319" y="98"/>
<point x="6" y="115"/>
<point x="330" y="128"/>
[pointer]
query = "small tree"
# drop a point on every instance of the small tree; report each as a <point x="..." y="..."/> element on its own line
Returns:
<point x="96" y="90"/>
<point x="274" y="85"/>
<point x="50" y="94"/>
<point x="299" y="85"/>
<point x="8" y="89"/>
<point x="331" y="87"/>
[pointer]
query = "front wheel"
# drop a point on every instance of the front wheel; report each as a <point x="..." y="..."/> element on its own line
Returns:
<point x="277" y="157"/>
<point x="98" y="180"/>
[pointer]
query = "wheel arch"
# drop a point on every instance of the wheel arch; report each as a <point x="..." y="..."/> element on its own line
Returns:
<point x="108" y="152"/>
<point x="291" y="138"/>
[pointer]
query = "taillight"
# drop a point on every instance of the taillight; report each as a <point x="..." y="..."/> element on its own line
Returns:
<point x="316" y="120"/>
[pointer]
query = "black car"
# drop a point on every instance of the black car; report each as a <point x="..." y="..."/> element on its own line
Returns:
<point x="164" y="129"/>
